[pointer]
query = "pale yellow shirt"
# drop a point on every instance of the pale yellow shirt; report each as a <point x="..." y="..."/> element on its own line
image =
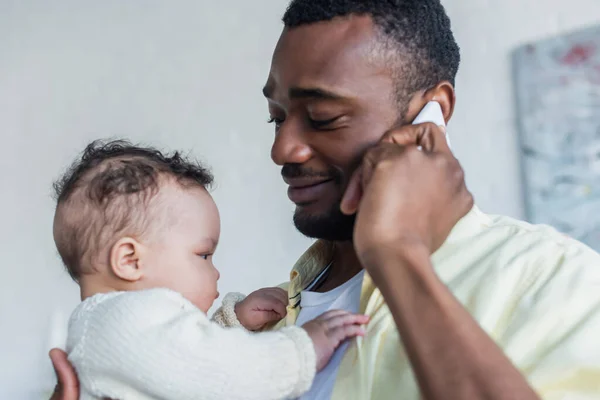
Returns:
<point x="533" y="290"/>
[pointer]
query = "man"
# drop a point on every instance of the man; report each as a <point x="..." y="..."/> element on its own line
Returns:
<point x="462" y="305"/>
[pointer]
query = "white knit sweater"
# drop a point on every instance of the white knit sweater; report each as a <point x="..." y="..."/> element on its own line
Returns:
<point x="154" y="344"/>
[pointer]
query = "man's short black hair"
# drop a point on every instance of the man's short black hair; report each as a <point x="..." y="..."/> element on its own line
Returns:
<point x="416" y="33"/>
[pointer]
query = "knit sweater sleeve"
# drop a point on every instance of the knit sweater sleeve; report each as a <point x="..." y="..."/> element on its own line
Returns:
<point x="157" y="344"/>
<point x="225" y="315"/>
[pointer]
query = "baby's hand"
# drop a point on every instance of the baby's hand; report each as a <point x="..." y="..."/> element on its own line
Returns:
<point x="329" y="331"/>
<point x="261" y="308"/>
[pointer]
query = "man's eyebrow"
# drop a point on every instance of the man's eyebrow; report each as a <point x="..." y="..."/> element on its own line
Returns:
<point x="313" y="93"/>
<point x="305" y="93"/>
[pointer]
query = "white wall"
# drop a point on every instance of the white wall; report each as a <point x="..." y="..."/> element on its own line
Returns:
<point x="483" y="129"/>
<point x="187" y="75"/>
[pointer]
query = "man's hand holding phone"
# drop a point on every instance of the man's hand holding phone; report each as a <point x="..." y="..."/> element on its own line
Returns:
<point x="409" y="191"/>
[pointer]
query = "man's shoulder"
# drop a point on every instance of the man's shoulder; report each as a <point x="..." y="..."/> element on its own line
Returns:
<point x="538" y="236"/>
<point x="526" y="228"/>
<point x="502" y="253"/>
<point x="540" y="255"/>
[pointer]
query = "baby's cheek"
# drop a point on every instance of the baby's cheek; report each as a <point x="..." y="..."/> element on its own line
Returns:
<point x="204" y="303"/>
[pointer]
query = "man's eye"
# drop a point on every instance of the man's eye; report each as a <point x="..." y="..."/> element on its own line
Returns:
<point x="323" y="124"/>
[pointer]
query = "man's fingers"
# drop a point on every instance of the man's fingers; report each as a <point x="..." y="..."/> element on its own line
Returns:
<point x="68" y="385"/>
<point x="404" y="136"/>
<point x="434" y="139"/>
<point x="429" y="136"/>
<point x="353" y="194"/>
<point x="360" y="179"/>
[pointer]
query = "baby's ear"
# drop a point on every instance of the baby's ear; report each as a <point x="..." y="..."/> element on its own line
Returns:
<point x="124" y="259"/>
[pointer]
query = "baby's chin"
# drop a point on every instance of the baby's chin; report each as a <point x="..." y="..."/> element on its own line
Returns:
<point x="204" y="303"/>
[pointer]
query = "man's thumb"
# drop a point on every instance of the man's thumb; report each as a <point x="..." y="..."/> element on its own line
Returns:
<point x="68" y="386"/>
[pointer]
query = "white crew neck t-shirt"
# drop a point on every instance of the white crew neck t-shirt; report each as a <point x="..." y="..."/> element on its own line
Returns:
<point x="345" y="297"/>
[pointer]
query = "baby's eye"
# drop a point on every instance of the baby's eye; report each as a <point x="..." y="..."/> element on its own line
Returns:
<point x="204" y="256"/>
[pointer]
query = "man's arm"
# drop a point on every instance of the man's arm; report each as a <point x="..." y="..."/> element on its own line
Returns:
<point x="408" y="200"/>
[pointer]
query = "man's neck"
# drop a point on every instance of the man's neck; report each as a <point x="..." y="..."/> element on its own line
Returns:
<point x="344" y="266"/>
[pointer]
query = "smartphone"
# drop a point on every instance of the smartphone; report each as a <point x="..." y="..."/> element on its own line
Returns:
<point x="432" y="112"/>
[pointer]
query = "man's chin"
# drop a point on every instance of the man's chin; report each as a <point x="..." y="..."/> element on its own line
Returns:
<point x="332" y="225"/>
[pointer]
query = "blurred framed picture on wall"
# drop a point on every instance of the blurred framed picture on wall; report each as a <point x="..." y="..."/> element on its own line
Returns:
<point x="558" y="109"/>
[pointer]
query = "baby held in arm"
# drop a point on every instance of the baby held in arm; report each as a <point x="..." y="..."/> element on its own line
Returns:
<point x="137" y="230"/>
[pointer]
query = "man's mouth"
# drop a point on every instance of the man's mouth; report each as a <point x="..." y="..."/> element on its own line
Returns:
<point x="306" y="190"/>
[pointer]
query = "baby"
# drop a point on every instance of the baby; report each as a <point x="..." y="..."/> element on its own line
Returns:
<point x="137" y="231"/>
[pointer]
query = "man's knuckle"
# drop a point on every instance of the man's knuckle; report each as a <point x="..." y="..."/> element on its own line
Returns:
<point x="378" y="152"/>
<point x="384" y="165"/>
<point x="430" y="126"/>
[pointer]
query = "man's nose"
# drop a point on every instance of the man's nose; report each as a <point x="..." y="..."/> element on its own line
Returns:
<point x="290" y="146"/>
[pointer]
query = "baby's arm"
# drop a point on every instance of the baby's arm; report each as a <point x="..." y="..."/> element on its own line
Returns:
<point x="155" y="342"/>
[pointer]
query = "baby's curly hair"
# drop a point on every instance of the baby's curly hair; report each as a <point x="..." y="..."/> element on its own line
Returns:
<point x="107" y="193"/>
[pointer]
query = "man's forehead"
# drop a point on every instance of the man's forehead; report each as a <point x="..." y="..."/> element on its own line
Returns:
<point x="331" y="53"/>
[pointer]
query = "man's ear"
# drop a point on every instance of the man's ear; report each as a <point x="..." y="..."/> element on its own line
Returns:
<point x="443" y="93"/>
<point x="125" y="259"/>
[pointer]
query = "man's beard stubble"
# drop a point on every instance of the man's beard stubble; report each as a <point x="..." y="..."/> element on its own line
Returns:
<point x="332" y="225"/>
